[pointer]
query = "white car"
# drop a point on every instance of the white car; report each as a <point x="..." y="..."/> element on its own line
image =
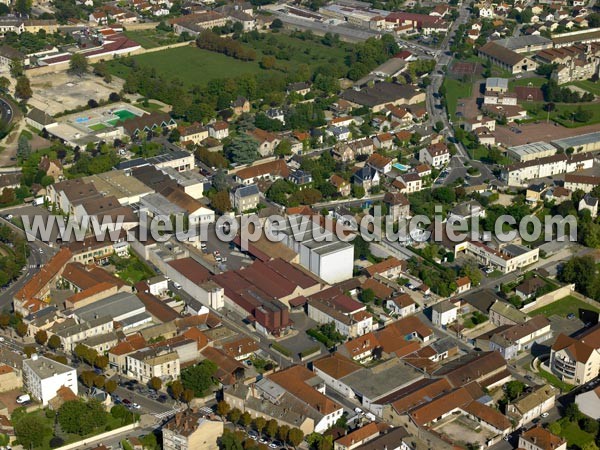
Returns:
<point x="544" y="415"/>
<point x="135" y="406"/>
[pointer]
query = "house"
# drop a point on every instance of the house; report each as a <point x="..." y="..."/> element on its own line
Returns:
<point x="590" y="203"/>
<point x="357" y="437"/>
<point x="270" y="171"/>
<point x="51" y="167"/>
<point x="38" y="119"/>
<point x="510" y="341"/>
<point x="218" y="130"/>
<point x="367" y="177"/>
<point x="189" y="430"/>
<point x="444" y="313"/>
<point x="466" y="210"/>
<point x="193" y="134"/>
<point x="529" y="287"/>
<point x="300" y="88"/>
<point x="360" y="349"/>
<point x="505" y="58"/>
<point x="436" y="155"/>
<point x="9" y="379"/>
<point x="532" y="405"/>
<point x="245" y="197"/>
<point x="300" y="178"/>
<point x="341" y="134"/>
<point x="538" y="438"/>
<point x="494" y="84"/>
<point x="306" y="388"/>
<point x="384" y="141"/>
<point x="423" y="170"/>
<point x="398" y="205"/>
<point x="275" y="114"/>
<point x="154" y="122"/>
<point x="351" y="322"/>
<point x="241" y="348"/>
<point x="342" y="186"/>
<point x="240" y="105"/>
<point x="503" y="313"/>
<point x="380" y="163"/>
<point x="402" y="305"/>
<point x="411" y="181"/>
<point x="343" y="152"/>
<point x="463" y="284"/>
<point x="267" y="141"/>
<point x="145" y="364"/>
<point x="389" y="268"/>
<point x="43" y="377"/>
<point x="589" y="403"/>
<point x="576" y="360"/>
<point x="379" y="95"/>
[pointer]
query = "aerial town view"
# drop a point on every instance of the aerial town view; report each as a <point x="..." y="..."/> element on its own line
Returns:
<point x="299" y="224"/>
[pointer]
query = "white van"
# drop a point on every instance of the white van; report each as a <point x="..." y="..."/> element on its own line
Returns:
<point x="23" y="399"/>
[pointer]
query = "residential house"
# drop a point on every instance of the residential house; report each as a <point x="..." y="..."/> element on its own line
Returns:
<point x="411" y="181"/>
<point x="218" y="130"/>
<point x="503" y="313"/>
<point x="538" y="438"/>
<point x="466" y="210"/>
<point x="436" y="155"/>
<point x="245" y="197"/>
<point x="532" y="405"/>
<point x="402" y="305"/>
<point x="367" y="177"/>
<point x="270" y="171"/>
<point x="189" y="430"/>
<point x="389" y="268"/>
<point x="576" y="360"/>
<point x="463" y="284"/>
<point x="360" y="349"/>
<point x="398" y="205"/>
<point x="509" y="342"/>
<point x="193" y="134"/>
<point x="384" y="141"/>
<point x="444" y="312"/>
<point x="342" y="186"/>
<point x="590" y="203"/>
<point x="529" y="287"/>
<point x="380" y="163"/>
<point x="240" y="105"/>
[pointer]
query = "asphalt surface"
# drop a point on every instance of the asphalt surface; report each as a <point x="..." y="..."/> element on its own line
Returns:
<point x="6" y="112"/>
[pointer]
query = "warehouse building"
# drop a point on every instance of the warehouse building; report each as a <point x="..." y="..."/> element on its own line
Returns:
<point x="529" y="152"/>
<point x="589" y="142"/>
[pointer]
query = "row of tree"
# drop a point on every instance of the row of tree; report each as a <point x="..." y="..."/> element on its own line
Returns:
<point x="209" y="40"/>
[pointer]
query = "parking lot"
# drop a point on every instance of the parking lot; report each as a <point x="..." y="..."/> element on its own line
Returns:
<point x="534" y="132"/>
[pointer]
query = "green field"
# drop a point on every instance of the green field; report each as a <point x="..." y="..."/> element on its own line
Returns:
<point x="191" y="65"/>
<point x="123" y="114"/>
<point x="563" y="113"/>
<point x="97" y="127"/>
<point x="455" y="90"/>
<point x="564" y="307"/>
<point x="151" y="38"/>
<point x="575" y="436"/>
<point x="535" y="82"/>
<point x="589" y="86"/>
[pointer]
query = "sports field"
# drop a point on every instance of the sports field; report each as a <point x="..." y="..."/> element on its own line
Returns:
<point x="97" y="127"/>
<point x="191" y="65"/>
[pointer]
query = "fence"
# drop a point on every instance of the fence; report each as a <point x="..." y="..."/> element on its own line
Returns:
<point x="100" y="437"/>
<point x="550" y="297"/>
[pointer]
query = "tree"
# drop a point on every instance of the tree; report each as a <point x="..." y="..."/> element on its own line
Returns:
<point x="276" y="24"/>
<point x="23" y="88"/>
<point x="21" y="329"/>
<point x="367" y="296"/>
<point x="110" y="386"/>
<point x="23" y="6"/>
<point x="242" y="149"/>
<point x="223" y="408"/>
<point x="4" y="320"/>
<point x="284" y="148"/>
<point x="283" y="432"/>
<point x="101" y="362"/>
<point x="176" y="389"/>
<point x="4" y="84"/>
<point x="54" y="342"/>
<point x="582" y="115"/>
<point x="16" y="68"/>
<point x="29" y="350"/>
<point x="30" y="430"/>
<point x="155" y="383"/>
<point x="572" y="412"/>
<point x="41" y="337"/>
<point x="78" y="64"/>
<point x="246" y="419"/>
<point x="439" y="126"/>
<point x="219" y="180"/>
<point x="589" y="425"/>
<point x="99" y="381"/>
<point x="221" y="202"/>
<point x="259" y="424"/>
<point x="88" y="377"/>
<point x="234" y="415"/>
<point x="514" y="389"/>
<point x="23" y="148"/>
<point x="174" y="135"/>
<point x="187" y="395"/>
<point x="554" y="428"/>
<point x="295" y="437"/>
<point x="271" y="428"/>
<point x="81" y="418"/>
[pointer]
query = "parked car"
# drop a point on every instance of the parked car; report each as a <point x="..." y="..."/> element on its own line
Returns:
<point x="544" y="415"/>
<point x="126" y="401"/>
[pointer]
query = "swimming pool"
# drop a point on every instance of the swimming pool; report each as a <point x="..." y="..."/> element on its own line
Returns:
<point x="124" y="114"/>
<point x="401" y="167"/>
<point x="82" y="119"/>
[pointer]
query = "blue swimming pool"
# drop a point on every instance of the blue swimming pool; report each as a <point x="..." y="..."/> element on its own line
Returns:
<point x="401" y="167"/>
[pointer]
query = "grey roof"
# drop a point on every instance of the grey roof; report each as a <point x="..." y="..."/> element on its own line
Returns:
<point x="246" y="191"/>
<point x="132" y="320"/>
<point x="495" y="82"/>
<point x="391" y="439"/>
<point x="590" y="200"/>
<point x="577" y="141"/>
<point x="531" y="149"/>
<point x="131" y="163"/>
<point x="382" y="379"/>
<point x="522" y="42"/>
<point x="100" y="339"/>
<point x="444" y="306"/>
<point x="45" y="368"/>
<point x="379" y="93"/>
<point x="509" y="311"/>
<point x="40" y="117"/>
<point x="166" y="157"/>
<point x="159" y="204"/>
<point x="71" y="327"/>
<point x="443" y="345"/>
<point x="114" y="306"/>
<point x="515" y="250"/>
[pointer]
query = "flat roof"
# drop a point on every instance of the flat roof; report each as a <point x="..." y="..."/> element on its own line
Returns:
<point x="532" y="148"/>
<point x="113" y="306"/>
<point x="495" y="82"/>
<point x="577" y="141"/>
<point x="45" y="367"/>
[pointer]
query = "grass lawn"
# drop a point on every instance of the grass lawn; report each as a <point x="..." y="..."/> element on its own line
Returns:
<point x="151" y="38"/>
<point x="97" y="127"/>
<point x="563" y="113"/>
<point x="455" y="90"/>
<point x="535" y="82"/>
<point x="194" y="66"/>
<point x="132" y="269"/>
<point x="574" y="435"/>
<point x="152" y="107"/>
<point x="554" y="381"/>
<point x="589" y="86"/>
<point x="563" y="307"/>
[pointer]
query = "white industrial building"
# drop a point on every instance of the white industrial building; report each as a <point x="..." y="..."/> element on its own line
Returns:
<point x="529" y="152"/>
<point x="125" y="308"/>
<point x="320" y="250"/>
<point x="43" y="377"/>
<point x="521" y="173"/>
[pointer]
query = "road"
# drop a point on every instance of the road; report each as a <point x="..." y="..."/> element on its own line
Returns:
<point x="39" y="254"/>
<point x="6" y="112"/>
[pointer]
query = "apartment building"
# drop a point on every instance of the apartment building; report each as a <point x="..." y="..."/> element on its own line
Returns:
<point x="576" y="360"/>
<point x="189" y="430"/>
<point x="43" y="377"/>
<point x="145" y="364"/>
<point x="520" y="174"/>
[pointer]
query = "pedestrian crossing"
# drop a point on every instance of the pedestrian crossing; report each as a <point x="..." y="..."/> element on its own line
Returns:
<point x="167" y="414"/>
